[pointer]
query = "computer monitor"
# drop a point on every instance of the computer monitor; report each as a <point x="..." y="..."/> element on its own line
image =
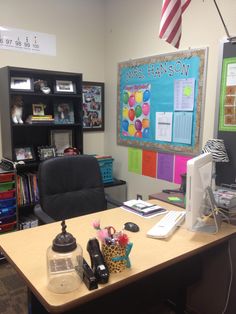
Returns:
<point x="199" y="177"/>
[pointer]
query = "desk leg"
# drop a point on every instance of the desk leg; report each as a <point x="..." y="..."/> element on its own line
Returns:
<point x="180" y="299"/>
<point x="34" y="306"/>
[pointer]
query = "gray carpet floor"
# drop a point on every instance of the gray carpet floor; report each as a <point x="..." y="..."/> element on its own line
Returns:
<point x="13" y="292"/>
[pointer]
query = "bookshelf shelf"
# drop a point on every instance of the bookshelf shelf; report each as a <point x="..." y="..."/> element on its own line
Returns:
<point x="58" y="94"/>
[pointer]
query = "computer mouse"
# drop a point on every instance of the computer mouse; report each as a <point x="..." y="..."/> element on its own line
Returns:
<point x="131" y="226"/>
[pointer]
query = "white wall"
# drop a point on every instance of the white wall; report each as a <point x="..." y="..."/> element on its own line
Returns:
<point x="132" y="32"/>
<point x="79" y="29"/>
<point x="92" y="41"/>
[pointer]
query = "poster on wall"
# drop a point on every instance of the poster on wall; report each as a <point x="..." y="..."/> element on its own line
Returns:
<point x="227" y="118"/>
<point x="21" y="40"/>
<point x="160" y="101"/>
<point x="93" y="106"/>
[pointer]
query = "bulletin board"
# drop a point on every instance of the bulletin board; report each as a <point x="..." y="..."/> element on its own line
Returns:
<point x="160" y="101"/>
<point x="226" y="124"/>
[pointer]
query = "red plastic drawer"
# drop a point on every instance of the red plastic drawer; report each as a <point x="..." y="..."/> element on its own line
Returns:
<point x="8" y="227"/>
<point x="5" y="177"/>
<point x="7" y="194"/>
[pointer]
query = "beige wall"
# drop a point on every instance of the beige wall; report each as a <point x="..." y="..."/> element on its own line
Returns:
<point x="79" y="29"/>
<point x="132" y="32"/>
<point x="92" y="41"/>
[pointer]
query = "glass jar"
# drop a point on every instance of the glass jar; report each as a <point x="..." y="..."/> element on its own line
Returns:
<point x="64" y="263"/>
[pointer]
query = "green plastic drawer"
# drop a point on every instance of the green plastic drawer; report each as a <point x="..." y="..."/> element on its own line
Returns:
<point x="6" y="186"/>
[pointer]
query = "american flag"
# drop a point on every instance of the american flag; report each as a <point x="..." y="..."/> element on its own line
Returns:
<point x="171" y="20"/>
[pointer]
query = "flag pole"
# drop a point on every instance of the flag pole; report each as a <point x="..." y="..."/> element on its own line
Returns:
<point x="231" y="39"/>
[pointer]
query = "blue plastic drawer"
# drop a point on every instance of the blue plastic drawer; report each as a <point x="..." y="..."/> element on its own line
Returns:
<point x="7" y="211"/>
<point x="7" y="219"/>
<point x="8" y="202"/>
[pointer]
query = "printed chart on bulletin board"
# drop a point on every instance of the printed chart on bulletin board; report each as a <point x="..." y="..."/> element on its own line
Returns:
<point x="161" y="101"/>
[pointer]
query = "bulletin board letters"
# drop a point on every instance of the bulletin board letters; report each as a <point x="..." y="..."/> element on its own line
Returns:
<point x="160" y="101"/>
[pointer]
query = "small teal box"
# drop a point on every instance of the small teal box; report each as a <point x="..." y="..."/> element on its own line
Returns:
<point x="106" y="167"/>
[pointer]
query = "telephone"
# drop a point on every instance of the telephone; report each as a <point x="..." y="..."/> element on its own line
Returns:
<point x="225" y="198"/>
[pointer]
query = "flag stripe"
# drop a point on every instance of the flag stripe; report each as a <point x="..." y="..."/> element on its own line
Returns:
<point x="171" y="20"/>
<point x="170" y="16"/>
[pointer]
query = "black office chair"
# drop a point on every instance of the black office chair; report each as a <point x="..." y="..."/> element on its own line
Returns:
<point x="70" y="186"/>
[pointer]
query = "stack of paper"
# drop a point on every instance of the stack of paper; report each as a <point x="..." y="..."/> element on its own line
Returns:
<point x="143" y="208"/>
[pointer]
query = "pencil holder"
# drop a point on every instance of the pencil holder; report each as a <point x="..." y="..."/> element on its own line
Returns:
<point x="116" y="256"/>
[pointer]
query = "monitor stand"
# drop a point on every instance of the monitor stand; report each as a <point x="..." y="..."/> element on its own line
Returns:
<point x="209" y="225"/>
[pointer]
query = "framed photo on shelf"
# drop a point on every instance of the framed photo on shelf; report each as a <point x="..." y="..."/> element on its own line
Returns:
<point x="24" y="153"/>
<point x="61" y="139"/>
<point x="64" y="87"/>
<point x="93" y="106"/>
<point x="21" y="83"/>
<point x="46" y="152"/>
<point x="38" y="109"/>
<point x="64" y="113"/>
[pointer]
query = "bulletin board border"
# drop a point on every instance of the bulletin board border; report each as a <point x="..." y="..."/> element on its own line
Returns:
<point x="202" y="53"/>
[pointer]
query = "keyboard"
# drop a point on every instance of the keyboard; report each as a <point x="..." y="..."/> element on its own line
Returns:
<point x="167" y="225"/>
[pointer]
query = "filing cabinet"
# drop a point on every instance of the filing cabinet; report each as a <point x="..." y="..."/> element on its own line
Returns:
<point x="8" y="212"/>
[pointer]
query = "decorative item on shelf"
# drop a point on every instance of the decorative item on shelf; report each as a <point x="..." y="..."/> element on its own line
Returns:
<point x="64" y="113"/>
<point x="42" y="86"/>
<point x="93" y="106"/>
<point x="61" y="139"/>
<point x="115" y="247"/>
<point x="17" y="109"/>
<point x="38" y="109"/>
<point x="71" y="151"/>
<point x="218" y="151"/>
<point x="21" y="84"/>
<point x="46" y="152"/>
<point x="24" y="154"/>
<point x="62" y="86"/>
<point x="64" y="263"/>
<point x="39" y="115"/>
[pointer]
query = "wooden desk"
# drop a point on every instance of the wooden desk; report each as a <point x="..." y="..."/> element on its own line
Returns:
<point x="26" y="251"/>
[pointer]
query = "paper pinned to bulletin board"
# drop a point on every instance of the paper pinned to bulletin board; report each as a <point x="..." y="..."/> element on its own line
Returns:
<point x="159" y="165"/>
<point x="161" y="102"/>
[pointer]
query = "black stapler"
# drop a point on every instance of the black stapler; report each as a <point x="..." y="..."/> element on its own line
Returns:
<point x="98" y="264"/>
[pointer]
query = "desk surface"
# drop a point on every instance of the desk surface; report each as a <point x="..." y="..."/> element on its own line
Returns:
<point x="165" y="197"/>
<point x="26" y="251"/>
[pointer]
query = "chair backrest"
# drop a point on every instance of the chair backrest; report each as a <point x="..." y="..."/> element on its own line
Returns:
<point x="70" y="186"/>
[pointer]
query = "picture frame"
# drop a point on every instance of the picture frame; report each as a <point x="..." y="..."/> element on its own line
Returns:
<point x="93" y="106"/>
<point x="61" y="139"/>
<point x="64" y="86"/>
<point x="24" y="153"/>
<point x="38" y="109"/>
<point x="64" y="113"/>
<point x="21" y="83"/>
<point x="46" y="152"/>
